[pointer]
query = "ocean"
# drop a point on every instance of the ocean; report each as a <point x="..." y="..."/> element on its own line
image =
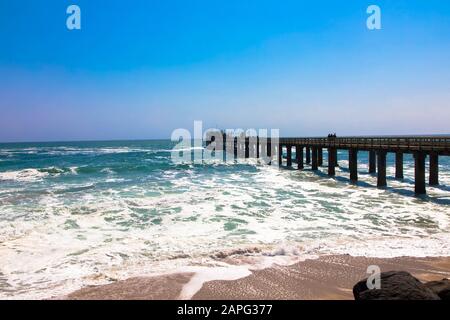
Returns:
<point x="85" y="213"/>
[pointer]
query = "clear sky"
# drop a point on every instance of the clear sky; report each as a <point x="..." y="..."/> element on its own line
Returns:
<point x="140" y="69"/>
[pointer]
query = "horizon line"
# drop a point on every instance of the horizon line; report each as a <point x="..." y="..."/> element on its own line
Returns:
<point x="161" y="139"/>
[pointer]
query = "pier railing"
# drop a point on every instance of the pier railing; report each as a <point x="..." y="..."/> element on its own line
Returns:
<point x="405" y="144"/>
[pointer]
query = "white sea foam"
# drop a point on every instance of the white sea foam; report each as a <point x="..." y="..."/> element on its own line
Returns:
<point x="182" y="149"/>
<point x="107" y="170"/>
<point x="63" y="151"/>
<point x="73" y="170"/>
<point x="204" y="274"/>
<point x="33" y="174"/>
<point x="25" y="175"/>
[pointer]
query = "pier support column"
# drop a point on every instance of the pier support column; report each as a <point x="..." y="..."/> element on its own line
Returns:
<point x="257" y="147"/>
<point x="235" y="148"/>
<point x="314" y="159"/>
<point x="299" y="155"/>
<point x="269" y="151"/>
<point x="381" y="178"/>
<point x="247" y="148"/>
<point x="372" y="161"/>
<point x="399" y="165"/>
<point x="319" y="157"/>
<point x="308" y="155"/>
<point x="280" y="155"/>
<point x="289" y="155"/>
<point x="419" y="172"/>
<point x="353" y="164"/>
<point x="239" y="149"/>
<point x="224" y="147"/>
<point x="331" y="161"/>
<point x="434" y="169"/>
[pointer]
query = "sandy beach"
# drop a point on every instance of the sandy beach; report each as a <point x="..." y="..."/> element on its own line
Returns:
<point x="328" y="277"/>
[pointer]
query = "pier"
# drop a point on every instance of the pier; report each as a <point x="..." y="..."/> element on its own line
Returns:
<point x="378" y="147"/>
<point x="309" y="151"/>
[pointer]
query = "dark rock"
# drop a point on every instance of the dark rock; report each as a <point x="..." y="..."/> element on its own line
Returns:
<point x="441" y="288"/>
<point x="395" y="285"/>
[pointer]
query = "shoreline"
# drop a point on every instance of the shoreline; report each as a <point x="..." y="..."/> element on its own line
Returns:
<point x="327" y="277"/>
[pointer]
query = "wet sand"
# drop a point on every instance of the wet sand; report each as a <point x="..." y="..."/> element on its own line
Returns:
<point x="328" y="277"/>
<point x="167" y="287"/>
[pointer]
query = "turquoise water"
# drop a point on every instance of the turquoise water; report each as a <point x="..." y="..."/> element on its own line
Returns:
<point x="81" y="213"/>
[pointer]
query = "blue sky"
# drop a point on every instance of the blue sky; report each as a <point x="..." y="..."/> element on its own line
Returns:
<point x="140" y="69"/>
